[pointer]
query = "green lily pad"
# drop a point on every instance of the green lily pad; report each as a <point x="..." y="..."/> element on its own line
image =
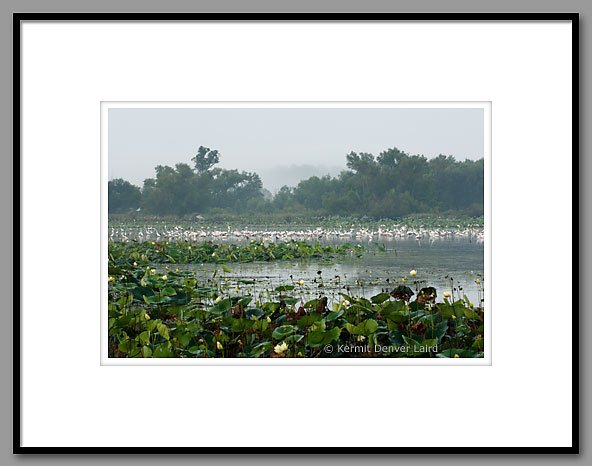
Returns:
<point x="319" y="337"/>
<point x="221" y="307"/>
<point x="309" y="319"/>
<point x="380" y="298"/>
<point x="282" y="331"/>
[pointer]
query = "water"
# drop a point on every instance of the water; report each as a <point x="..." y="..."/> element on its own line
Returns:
<point x="460" y="258"/>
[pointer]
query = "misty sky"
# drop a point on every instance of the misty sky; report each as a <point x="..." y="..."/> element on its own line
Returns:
<point x="284" y="145"/>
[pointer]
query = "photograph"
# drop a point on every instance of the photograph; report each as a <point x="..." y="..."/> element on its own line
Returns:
<point x="296" y="232"/>
<point x="241" y="207"/>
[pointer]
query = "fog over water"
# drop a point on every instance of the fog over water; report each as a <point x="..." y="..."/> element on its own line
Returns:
<point x="284" y="145"/>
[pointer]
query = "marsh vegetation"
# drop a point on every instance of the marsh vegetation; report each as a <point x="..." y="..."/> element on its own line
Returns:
<point x="203" y="263"/>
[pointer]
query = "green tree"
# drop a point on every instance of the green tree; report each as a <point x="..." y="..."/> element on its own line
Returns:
<point x="391" y="185"/>
<point x="122" y="196"/>
<point x="205" y="159"/>
<point x="233" y="189"/>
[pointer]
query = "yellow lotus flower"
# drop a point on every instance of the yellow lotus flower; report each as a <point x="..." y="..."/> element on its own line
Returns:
<point x="456" y="356"/>
<point x="164" y="277"/>
<point x="453" y="316"/>
<point x="146" y="316"/>
<point x="219" y="346"/>
<point x="413" y="273"/>
<point x="135" y="264"/>
<point x="301" y="282"/>
<point x="477" y="281"/>
<point x="153" y="271"/>
<point x="110" y="279"/>
<point x="447" y="294"/>
<point x="346" y="303"/>
<point x="279" y="349"/>
<point x="218" y="299"/>
<point x="236" y="289"/>
<point x="268" y="320"/>
<point x="176" y="270"/>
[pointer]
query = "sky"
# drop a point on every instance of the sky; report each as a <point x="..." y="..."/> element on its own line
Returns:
<point x="284" y="145"/>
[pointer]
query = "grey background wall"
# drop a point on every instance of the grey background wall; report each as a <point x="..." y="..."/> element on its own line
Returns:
<point x="7" y="7"/>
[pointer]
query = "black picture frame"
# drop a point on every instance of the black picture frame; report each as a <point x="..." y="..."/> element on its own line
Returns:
<point x="275" y="17"/>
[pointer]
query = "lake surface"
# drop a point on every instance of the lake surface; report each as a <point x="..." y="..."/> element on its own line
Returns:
<point x="458" y="257"/>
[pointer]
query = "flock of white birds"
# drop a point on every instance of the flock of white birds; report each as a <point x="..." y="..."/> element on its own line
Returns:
<point x="382" y="233"/>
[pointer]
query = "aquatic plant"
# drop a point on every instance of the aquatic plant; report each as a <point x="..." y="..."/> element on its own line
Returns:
<point x="182" y="315"/>
<point x="122" y="254"/>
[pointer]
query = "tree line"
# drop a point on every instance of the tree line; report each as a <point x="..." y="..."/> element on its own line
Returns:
<point x="390" y="185"/>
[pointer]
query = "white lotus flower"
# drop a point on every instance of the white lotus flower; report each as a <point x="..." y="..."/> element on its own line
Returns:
<point x="279" y="349"/>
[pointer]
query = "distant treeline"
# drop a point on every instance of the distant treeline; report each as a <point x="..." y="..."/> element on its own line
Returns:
<point x="391" y="185"/>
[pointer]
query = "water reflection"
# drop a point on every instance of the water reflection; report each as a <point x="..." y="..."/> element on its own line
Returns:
<point x="377" y="270"/>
